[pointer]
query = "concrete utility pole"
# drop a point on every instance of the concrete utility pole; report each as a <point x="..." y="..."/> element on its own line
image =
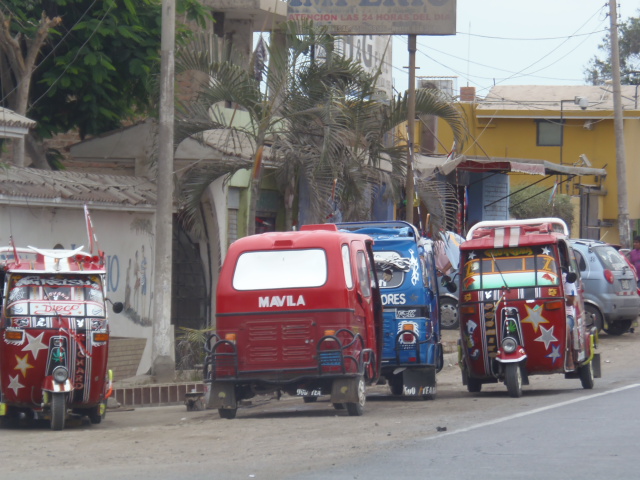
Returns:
<point x="409" y="187"/>
<point x="162" y="352"/>
<point x="621" y="165"/>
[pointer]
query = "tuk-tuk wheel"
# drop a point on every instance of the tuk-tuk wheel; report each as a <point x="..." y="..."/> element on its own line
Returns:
<point x="357" y="409"/>
<point x="513" y="379"/>
<point x="473" y="385"/>
<point x="58" y="410"/>
<point x="228" y="413"/>
<point x="586" y="376"/>
<point x="310" y="399"/>
<point x="94" y="415"/>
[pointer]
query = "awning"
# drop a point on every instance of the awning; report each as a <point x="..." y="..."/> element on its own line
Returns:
<point x="430" y="165"/>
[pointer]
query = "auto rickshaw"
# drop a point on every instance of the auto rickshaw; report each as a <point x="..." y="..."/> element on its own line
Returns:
<point x="405" y="266"/>
<point x="297" y="313"/>
<point x="54" y="335"/>
<point x="513" y="321"/>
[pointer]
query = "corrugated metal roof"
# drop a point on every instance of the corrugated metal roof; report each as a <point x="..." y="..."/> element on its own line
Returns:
<point x="73" y="188"/>
<point x="532" y="98"/>
<point x="9" y="118"/>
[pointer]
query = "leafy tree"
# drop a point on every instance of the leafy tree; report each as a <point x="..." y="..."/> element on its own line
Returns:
<point x="599" y="69"/>
<point x="538" y="201"/>
<point x="324" y="129"/>
<point x="84" y="64"/>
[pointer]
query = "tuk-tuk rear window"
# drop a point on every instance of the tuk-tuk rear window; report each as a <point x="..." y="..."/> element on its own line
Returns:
<point x="273" y="269"/>
<point x="510" y="267"/>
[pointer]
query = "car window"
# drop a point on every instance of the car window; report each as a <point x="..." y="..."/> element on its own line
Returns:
<point x="582" y="264"/>
<point x="610" y="257"/>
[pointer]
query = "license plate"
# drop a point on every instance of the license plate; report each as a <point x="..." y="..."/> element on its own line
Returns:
<point x="625" y="284"/>
<point x="303" y="392"/>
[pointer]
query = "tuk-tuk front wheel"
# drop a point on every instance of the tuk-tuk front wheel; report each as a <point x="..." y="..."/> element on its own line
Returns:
<point x="513" y="379"/>
<point x="58" y="410"/>
<point x="356" y="409"/>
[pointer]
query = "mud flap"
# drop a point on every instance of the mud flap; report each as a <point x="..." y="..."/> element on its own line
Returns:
<point x="222" y="395"/>
<point x="597" y="372"/>
<point x="419" y="381"/>
<point x="344" y="390"/>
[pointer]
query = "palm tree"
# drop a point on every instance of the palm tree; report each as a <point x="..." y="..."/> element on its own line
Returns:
<point x="318" y="119"/>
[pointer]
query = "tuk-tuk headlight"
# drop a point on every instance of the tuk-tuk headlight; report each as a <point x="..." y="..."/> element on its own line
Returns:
<point x="60" y="374"/>
<point x="509" y="345"/>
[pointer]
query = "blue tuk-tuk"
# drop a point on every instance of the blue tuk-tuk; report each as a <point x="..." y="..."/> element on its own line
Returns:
<point x="405" y="267"/>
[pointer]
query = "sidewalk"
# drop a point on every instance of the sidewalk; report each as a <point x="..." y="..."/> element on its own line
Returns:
<point x="140" y="391"/>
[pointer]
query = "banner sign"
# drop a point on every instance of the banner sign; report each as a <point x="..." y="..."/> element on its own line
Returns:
<point x="378" y="17"/>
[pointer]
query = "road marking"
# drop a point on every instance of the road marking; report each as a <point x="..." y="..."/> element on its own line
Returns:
<point x="532" y="412"/>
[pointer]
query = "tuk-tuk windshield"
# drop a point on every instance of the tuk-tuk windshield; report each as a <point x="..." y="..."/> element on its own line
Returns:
<point x="510" y="267"/>
<point x="52" y="295"/>
<point x="271" y="269"/>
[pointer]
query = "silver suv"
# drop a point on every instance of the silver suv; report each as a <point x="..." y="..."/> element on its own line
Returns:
<point x="610" y="291"/>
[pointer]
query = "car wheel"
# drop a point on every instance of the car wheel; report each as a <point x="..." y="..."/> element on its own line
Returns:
<point x="618" y="328"/>
<point x="597" y="316"/>
<point x="449" y="317"/>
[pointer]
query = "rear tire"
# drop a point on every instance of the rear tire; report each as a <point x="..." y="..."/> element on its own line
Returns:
<point x="473" y="385"/>
<point x="94" y="415"/>
<point x="357" y="409"/>
<point x="227" y="413"/>
<point x="396" y="385"/>
<point x="58" y="410"/>
<point x="513" y="379"/>
<point x="586" y="376"/>
<point x="619" y="327"/>
<point x="310" y="399"/>
<point x="597" y="316"/>
<point x="449" y="318"/>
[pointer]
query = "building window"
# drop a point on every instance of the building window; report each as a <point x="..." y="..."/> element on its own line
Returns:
<point x="549" y="133"/>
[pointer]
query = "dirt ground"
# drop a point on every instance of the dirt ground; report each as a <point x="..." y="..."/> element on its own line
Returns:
<point x="273" y="438"/>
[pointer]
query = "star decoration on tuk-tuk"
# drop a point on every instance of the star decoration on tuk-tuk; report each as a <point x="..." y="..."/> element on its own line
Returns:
<point x="22" y="364"/>
<point x="546" y="337"/>
<point x="534" y="317"/>
<point x="14" y="384"/>
<point x="34" y="345"/>
<point x="555" y="353"/>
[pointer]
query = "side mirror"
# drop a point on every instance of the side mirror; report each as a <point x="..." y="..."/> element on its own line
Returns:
<point x="118" y="307"/>
<point x="571" y="277"/>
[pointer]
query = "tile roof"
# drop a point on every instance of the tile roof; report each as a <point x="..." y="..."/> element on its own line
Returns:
<point x="9" y="118"/>
<point x="73" y="188"/>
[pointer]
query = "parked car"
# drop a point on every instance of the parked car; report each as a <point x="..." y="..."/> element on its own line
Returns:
<point x="610" y="291"/>
<point x="449" y="312"/>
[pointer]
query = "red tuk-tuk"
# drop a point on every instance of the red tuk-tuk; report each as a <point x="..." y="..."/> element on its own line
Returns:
<point x="54" y="334"/>
<point x="299" y="313"/>
<point x="513" y="310"/>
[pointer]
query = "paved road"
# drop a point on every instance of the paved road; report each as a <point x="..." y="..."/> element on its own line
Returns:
<point x="555" y="423"/>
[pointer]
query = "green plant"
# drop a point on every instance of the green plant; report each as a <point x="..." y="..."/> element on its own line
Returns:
<point x="190" y="347"/>
<point x="538" y="201"/>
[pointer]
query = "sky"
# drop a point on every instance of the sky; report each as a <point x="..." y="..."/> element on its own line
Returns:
<point x="513" y="42"/>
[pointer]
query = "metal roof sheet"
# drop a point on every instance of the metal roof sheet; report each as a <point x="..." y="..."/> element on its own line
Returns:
<point x="74" y="188"/>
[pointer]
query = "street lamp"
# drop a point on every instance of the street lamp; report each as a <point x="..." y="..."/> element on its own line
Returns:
<point x="583" y="103"/>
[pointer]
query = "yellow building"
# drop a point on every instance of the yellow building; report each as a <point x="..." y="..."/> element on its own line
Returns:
<point x="569" y="130"/>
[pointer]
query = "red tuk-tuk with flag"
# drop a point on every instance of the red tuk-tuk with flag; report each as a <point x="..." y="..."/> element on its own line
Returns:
<point x="299" y="313"/>
<point x="54" y="334"/>
<point x="514" y="320"/>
